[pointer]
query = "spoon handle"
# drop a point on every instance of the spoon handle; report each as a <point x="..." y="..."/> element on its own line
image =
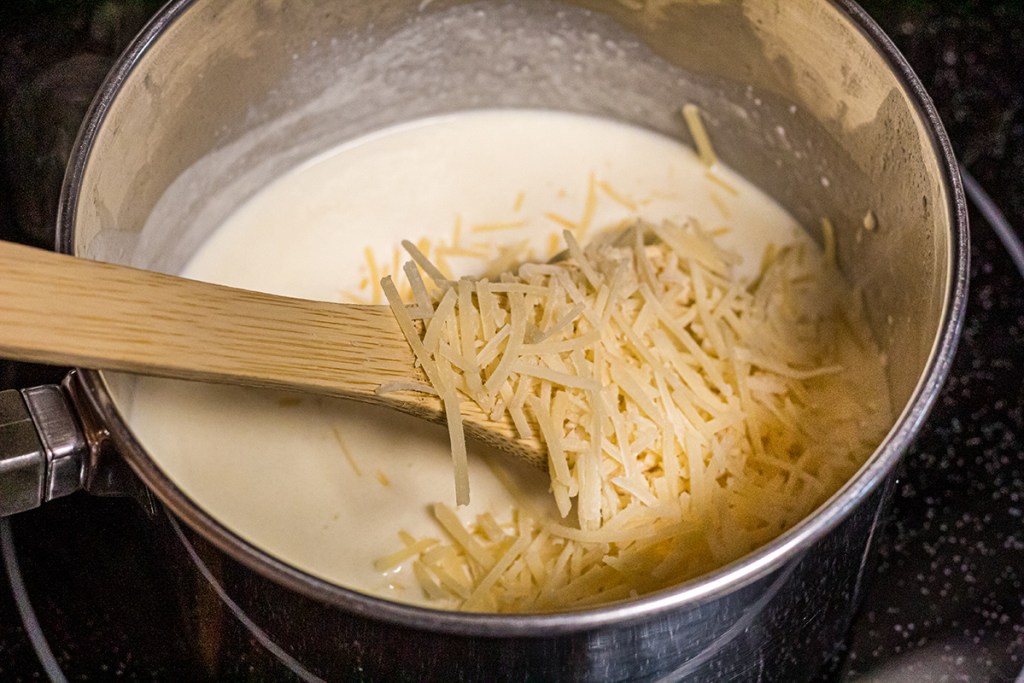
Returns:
<point x="63" y="310"/>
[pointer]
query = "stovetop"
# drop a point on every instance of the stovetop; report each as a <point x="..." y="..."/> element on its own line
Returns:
<point x="87" y="593"/>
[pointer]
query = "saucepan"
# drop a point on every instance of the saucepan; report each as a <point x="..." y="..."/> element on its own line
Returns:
<point x="807" y="98"/>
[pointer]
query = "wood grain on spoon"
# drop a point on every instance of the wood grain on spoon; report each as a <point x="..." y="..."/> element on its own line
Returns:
<point x="63" y="310"/>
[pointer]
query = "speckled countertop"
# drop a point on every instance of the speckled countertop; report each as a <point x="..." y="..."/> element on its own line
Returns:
<point x="946" y="602"/>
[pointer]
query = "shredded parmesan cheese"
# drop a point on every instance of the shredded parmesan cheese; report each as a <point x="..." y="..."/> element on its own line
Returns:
<point x="870" y="221"/>
<point x="828" y="234"/>
<point x="688" y="417"/>
<point x="691" y="113"/>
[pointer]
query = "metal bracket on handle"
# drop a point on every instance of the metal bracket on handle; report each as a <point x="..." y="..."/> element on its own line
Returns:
<point x="42" y="448"/>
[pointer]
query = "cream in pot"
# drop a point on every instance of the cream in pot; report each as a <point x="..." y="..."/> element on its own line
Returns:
<point x="327" y="486"/>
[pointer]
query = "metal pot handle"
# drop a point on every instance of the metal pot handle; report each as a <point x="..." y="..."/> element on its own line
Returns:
<point x="50" y="447"/>
<point x="42" y="448"/>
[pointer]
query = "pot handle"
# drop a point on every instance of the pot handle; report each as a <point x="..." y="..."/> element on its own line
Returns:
<point x="52" y="446"/>
<point x="43" y="449"/>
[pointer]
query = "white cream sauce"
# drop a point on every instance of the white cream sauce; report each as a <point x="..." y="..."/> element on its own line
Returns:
<point x="326" y="485"/>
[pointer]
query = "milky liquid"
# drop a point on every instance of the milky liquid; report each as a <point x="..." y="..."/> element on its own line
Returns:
<point x="327" y="485"/>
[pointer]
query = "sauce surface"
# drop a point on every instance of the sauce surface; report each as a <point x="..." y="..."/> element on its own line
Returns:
<point x="327" y="485"/>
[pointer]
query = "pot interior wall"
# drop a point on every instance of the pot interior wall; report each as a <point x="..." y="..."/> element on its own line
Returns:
<point x="795" y="98"/>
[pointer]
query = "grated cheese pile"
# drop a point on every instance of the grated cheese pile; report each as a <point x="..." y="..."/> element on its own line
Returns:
<point x="689" y="417"/>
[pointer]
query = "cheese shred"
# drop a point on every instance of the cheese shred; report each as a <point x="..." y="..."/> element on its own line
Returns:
<point x="691" y="113"/>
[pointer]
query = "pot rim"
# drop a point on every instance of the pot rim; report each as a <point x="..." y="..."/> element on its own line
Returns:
<point x="787" y="548"/>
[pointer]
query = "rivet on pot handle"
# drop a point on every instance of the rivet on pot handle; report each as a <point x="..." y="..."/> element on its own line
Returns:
<point x="43" y="449"/>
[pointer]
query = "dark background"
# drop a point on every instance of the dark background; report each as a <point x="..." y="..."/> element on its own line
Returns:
<point x="946" y="602"/>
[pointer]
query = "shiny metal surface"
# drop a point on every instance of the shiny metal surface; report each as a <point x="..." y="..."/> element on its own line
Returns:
<point x="22" y="457"/>
<point x="105" y="472"/>
<point x="42" y="448"/>
<point x="62" y="439"/>
<point x="807" y="98"/>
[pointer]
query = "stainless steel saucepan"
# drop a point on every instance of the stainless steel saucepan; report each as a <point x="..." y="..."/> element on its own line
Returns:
<point x="807" y="98"/>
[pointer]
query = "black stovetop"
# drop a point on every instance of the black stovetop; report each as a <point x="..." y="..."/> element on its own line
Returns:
<point x="946" y="602"/>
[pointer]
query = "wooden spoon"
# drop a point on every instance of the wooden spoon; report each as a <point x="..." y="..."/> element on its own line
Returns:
<point x="63" y="310"/>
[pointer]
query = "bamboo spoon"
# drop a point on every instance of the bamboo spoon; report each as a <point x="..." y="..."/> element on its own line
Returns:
<point x="63" y="310"/>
